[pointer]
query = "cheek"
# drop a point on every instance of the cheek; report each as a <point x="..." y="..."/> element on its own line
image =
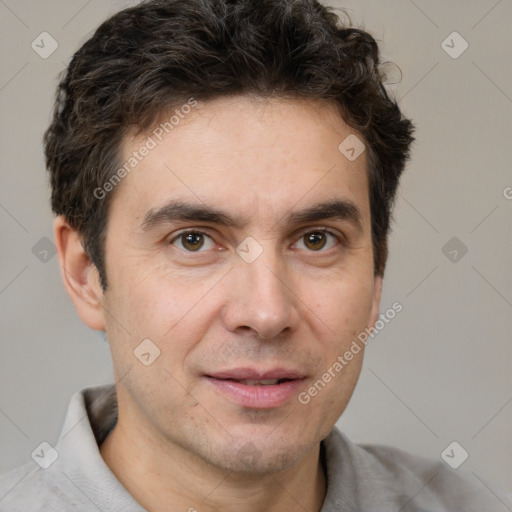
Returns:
<point x="138" y="308"/>
<point x="344" y="305"/>
<point x="174" y="313"/>
<point x="145" y="298"/>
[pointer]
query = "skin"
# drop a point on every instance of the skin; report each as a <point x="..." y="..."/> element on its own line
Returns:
<point x="178" y="443"/>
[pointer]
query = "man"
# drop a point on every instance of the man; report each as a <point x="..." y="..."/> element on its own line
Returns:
<point x="223" y="174"/>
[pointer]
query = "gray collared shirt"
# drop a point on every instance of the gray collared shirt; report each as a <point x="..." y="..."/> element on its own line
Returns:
<point x="72" y="476"/>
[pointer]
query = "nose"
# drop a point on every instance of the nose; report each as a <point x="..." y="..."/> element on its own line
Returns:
<point x="262" y="297"/>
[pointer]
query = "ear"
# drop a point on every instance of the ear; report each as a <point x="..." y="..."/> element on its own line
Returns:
<point x="377" y="293"/>
<point x="79" y="274"/>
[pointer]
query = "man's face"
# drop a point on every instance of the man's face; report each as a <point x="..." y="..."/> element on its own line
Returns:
<point x="273" y="297"/>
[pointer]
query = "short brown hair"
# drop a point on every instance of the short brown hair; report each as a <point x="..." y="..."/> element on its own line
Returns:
<point x="150" y="58"/>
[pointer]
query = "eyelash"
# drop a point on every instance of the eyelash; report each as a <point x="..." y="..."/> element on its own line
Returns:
<point x="338" y="237"/>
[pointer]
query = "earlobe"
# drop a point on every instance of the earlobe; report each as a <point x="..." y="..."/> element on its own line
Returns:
<point x="377" y="293"/>
<point x="79" y="274"/>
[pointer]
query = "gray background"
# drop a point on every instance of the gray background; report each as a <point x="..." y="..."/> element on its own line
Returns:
<point x="440" y="371"/>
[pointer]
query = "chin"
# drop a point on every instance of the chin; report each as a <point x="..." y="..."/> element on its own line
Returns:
<point x="259" y="456"/>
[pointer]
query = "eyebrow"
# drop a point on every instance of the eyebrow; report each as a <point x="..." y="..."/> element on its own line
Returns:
<point x="179" y="210"/>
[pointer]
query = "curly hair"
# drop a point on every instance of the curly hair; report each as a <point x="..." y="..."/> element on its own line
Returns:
<point x="150" y="58"/>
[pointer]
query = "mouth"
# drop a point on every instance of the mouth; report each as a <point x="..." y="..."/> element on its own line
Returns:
<point x="257" y="389"/>
<point x="262" y="382"/>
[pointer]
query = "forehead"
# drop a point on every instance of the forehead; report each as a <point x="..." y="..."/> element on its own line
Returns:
<point x="256" y="155"/>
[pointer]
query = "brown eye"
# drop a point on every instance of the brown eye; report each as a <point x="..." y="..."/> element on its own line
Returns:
<point x="317" y="240"/>
<point x="191" y="241"/>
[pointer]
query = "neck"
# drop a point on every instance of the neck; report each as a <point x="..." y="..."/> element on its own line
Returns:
<point x="158" y="473"/>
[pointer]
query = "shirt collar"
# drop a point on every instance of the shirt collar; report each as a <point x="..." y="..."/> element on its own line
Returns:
<point x="91" y="415"/>
<point x="80" y="469"/>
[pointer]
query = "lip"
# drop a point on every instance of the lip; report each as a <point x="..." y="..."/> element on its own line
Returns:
<point x="255" y="374"/>
<point x="257" y="397"/>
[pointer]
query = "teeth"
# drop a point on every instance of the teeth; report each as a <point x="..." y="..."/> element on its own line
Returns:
<point x="263" y="382"/>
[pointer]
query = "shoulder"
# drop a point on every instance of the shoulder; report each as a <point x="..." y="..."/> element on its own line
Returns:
<point x="30" y="488"/>
<point x="390" y="477"/>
